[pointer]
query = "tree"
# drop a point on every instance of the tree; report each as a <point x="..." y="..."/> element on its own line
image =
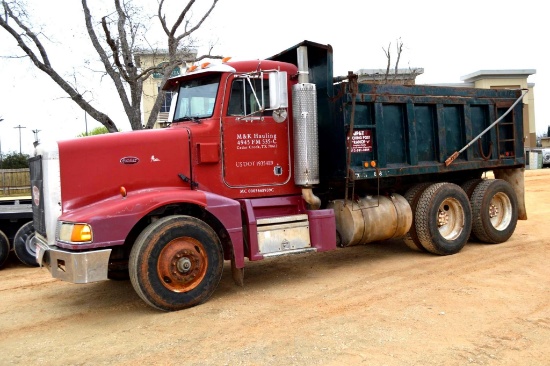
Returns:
<point x="13" y="160"/>
<point x="117" y="42"/>
<point x="399" y="49"/>
<point x="95" y="131"/>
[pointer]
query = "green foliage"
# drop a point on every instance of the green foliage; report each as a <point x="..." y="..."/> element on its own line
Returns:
<point x="96" y="131"/>
<point x="13" y="160"/>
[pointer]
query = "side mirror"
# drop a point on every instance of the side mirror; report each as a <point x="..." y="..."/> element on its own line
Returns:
<point x="278" y="91"/>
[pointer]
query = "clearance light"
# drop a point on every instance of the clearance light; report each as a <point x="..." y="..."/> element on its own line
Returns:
<point x="225" y="59"/>
<point x="123" y="192"/>
<point x="75" y="233"/>
<point x="192" y="68"/>
<point x="373" y="164"/>
<point x="365" y="164"/>
<point x="204" y="65"/>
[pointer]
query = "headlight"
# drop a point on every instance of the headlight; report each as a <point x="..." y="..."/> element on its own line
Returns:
<point x="74" y="233"/>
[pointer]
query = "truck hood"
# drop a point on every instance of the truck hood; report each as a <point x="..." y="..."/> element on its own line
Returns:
<point x="95" y="168"/>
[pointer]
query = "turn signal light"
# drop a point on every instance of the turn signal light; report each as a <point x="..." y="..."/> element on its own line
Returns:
<point x="75" y="233"/>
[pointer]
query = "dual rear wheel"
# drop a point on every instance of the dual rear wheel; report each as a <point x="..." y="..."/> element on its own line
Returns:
<point x="445" y="214"/>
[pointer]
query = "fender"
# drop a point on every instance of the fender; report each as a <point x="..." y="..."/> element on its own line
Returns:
<point x="113" y="218"/>
<point x="228" y="211"/>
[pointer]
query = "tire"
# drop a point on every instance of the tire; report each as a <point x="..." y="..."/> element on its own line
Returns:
<point x="412" y="195"/>
<point x="443" y="218"/>
<point x="4" y="248"/>
<point x="494" y="211"/>
<point x="470" y="185"/>
<point x="176" y="263"/>
<point x="22" y="245"/>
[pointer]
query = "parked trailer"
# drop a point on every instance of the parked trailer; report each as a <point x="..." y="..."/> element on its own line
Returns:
<point x="276" y="157"/>
<point x="16" y="229"/>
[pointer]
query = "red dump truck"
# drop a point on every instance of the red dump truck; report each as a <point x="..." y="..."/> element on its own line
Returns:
<point x="276" y="157"/>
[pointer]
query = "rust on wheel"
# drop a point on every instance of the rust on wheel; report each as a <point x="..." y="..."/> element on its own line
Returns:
<point x="182" y="264"/>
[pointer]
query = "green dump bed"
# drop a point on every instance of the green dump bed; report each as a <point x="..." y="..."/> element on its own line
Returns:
<point x="410" y="130"/>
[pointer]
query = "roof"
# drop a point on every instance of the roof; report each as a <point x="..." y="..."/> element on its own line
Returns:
<point x="497" y="74"/>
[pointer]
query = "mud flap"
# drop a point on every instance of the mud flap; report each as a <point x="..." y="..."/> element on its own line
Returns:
<point x="515" y="176"/>
<point x="237" y="273"/>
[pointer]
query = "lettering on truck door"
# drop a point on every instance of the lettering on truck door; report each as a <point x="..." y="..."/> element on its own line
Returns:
<point x="255" y="147"/>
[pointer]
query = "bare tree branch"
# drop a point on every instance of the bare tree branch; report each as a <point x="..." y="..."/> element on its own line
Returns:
<point x="388" y="56"/>
<point x="115" y="43"/>
<point x="43" y="63"/>
<point x="399" y="47"/>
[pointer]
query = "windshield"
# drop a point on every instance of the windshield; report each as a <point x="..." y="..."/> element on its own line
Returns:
<point x="196" y="98"/>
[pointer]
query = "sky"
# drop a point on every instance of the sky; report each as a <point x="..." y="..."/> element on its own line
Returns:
<point x="447" y="39"/>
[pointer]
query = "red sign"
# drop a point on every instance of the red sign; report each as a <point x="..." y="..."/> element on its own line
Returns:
<point x="361" y="141"/>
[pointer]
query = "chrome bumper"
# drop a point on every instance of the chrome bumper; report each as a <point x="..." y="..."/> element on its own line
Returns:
<point x="75" y="267"/>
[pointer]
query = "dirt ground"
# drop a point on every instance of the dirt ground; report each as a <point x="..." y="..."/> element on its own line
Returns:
<point x="378" y="304"/>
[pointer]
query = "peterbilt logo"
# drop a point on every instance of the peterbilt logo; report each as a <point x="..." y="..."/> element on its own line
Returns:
<point x="36" y="195"/>
<point x="129" y="160"/>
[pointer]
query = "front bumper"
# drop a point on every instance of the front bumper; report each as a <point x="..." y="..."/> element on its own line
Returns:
<point x="75" y="267"/>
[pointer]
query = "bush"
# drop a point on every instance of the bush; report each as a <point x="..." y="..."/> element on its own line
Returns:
<point x="13" y="160"/>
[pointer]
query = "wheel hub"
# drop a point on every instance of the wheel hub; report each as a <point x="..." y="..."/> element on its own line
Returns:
<point x="182" y="264"/>
<point x="493" y="211"/>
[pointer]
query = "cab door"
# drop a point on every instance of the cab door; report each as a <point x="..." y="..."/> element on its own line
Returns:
<point x="256" y="146"/>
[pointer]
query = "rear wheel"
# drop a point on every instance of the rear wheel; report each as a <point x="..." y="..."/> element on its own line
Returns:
<point x="176" y="263"/>
<point x="412" y="195"/>
<point x="4" y="248"/>
<point x="23" y="245"/>
<point x="494" y="211"/>
<point x="470" y="185"/>
<point x="443" y="218"/>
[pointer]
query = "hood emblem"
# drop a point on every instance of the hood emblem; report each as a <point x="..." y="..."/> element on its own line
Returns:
<point x="36" y="195"/>
<point x="154" y="159"/>
<point x="129" y="160"/>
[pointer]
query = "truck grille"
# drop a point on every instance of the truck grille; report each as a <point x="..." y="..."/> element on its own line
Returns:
<point x="37" y="191"/>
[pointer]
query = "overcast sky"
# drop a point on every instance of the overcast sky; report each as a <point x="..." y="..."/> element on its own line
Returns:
<point x="447" y="39"/>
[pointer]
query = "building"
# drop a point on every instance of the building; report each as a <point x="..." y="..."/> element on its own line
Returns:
<point x="510" y="79"/>
<point x="151" y="86"/>
<point x="378" y="76"/>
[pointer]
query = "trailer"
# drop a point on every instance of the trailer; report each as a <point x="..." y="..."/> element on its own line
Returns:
<point x="277" y="157"/>
<point x="16" y="227"/>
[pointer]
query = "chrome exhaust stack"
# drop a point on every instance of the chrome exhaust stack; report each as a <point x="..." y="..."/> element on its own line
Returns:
<point x="306" y="143"/>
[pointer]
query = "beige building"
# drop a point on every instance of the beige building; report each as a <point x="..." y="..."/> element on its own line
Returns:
<point x="510" y="79"/>
<point x="151" y="86"/>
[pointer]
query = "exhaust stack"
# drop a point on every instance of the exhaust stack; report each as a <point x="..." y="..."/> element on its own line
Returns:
<point x="306" y="145"/>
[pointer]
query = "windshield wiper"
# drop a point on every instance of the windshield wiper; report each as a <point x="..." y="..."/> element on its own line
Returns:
<point x="187" y="118"/>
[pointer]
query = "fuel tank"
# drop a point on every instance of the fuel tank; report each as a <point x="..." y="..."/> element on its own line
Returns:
<point x="371" y="218"/>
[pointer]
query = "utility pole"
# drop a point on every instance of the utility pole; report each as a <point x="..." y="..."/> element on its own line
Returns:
<point x="20" y="127"/>
<point x="86" y="122"/>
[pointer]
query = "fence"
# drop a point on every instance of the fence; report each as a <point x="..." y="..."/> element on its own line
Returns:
<point x="15" y="182"/>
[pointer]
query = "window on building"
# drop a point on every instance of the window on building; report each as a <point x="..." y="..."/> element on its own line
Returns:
<point x="165" y="107"/>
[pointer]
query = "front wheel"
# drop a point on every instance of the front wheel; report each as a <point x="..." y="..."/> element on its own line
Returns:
<point x="23" y="245"/>
<point x="176" y="263"/>
<point x="443" y="218"/>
